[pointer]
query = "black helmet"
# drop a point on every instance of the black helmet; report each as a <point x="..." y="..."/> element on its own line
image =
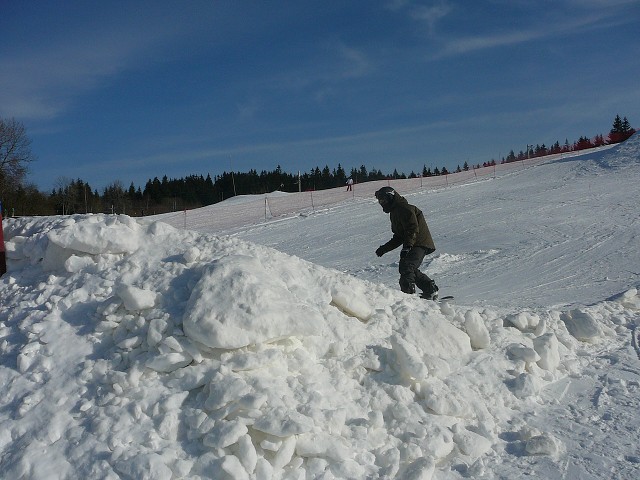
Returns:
<point x="385" y="195"/>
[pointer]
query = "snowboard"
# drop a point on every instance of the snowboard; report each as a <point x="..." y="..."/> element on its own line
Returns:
<point x="439" y="299"/>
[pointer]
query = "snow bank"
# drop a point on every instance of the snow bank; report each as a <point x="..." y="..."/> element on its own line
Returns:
<point x="135" y="350"/>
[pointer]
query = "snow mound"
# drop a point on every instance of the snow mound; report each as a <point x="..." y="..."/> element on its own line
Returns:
<point x="134" y="350"/>
<point x="253" y="305"/>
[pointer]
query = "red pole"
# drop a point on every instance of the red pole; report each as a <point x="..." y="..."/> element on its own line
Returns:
<point x="3" y="256"/>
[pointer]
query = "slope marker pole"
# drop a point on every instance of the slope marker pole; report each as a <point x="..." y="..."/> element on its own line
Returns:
<point x="3" y="255"/>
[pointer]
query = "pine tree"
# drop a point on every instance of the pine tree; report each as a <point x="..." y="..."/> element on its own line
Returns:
<point x="340" y="176"/>
<point x="620" y="131"/>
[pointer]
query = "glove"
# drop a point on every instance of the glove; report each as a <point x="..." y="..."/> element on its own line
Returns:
<point x="404" y="252"/>
<point x="380" y="251"/>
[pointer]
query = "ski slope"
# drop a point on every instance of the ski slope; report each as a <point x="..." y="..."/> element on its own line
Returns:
<point x="282" y="347"/>
<point x="559" y="233"/>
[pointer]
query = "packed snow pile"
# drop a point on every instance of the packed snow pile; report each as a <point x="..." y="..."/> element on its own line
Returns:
<point x="135" y="350"/>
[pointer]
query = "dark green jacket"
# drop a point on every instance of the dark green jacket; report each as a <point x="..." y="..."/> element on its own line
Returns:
<point x="408" y="226"/>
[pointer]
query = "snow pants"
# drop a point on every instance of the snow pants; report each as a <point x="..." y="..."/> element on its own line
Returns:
<point x="410" y="274"/>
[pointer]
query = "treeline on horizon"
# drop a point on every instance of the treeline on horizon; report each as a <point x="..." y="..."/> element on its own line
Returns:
<point x="194" y="191"/>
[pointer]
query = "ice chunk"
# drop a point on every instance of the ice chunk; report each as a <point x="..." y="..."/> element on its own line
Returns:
<point x="420" y="469"/>
<point x="519" y="351"/>
<point x="409" y="359"/>
<point x="75" y="263"/>
<point x="321" y="444"/>
<point x="191" y="255"/>
<point x="441" y="400"/>
<point x="524" y="320"/>
<point x="582" y="325"/>
<point x="282" y="422"/>
<point x="247" y="453"/>
<point x="433" y="334"/>
<point x="225" y="433"/>
<point x="148" y="465"/>
<point x="526" y="385"/>
<point x="470" y="443"/>
<point x="169" y="362"/>
<point x="224" y="389"/>
<point x="547" y="347"/>
<point x="351" y="303"/>
<point x="233" y="468"/>
<point x="136" y="298"/>
<point x="543" y="445"/>
<point x="285" y="454"/>
<point x="477" y="330"/>
<point x="630" y="299"/>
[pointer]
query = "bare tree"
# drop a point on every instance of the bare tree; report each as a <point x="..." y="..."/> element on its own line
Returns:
<point x="15" y="154"/>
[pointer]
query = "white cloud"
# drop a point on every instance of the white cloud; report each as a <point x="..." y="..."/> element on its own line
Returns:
<point x="536" y="32"/>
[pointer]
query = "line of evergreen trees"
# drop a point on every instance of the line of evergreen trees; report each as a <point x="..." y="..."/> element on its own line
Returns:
<point x="165" y="195"/>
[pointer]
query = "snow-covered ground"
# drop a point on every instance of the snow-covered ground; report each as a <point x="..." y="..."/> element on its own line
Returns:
<point x="283" y="348"/>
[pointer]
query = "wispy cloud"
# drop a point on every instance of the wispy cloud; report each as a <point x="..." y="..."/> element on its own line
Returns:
<point x="352" y="62"/>
<point x="332" y="65"/>
<point x="565" y="27"/>
<point x="431" y="14"/>
<point x="606" y="4"/>
<point x="183" y="154"/>
<point x="470" y="44"/>
<point x="45" y="77"/>
<point x="41" y="82"/>
<point x="428" y="14"/>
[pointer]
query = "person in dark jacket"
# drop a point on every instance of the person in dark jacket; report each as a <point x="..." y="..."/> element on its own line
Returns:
<point x="410" y="230"/>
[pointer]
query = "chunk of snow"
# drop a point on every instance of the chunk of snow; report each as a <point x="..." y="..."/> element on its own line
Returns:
<point x="441" y="399"/>
<point x="582" y="325"/>
<point x="544" y="445"/>
<point x="420" y="469"/>
<point x="433" y="335"/>
<point x="232" y="466"/>
<point x="630" y="299"/>
<point x="409" y="359"/>
<point x="251" y="306"/>
<point x="225" y="433"/>
<point x="76" y="263"/>
<point x="135" y="298"/>
<point x="470" y="443"/>
<point x="522" y="352"/>
<point x="527" y="385"/>
<point x="283" y="422"/>
<point x="94" y="236"/>
<point x="169" y="362"/>
<point x="476" y="329"/>
<point x="352" y="303"/>
<point x="548" y="348"/>
<point x="191" y="255"/>
<point x="524" y="320"/>
<point x="146" y="466"/>
<point x="320" y="444"/>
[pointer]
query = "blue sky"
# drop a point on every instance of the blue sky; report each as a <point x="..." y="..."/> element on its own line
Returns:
<point x="130" y="90"/>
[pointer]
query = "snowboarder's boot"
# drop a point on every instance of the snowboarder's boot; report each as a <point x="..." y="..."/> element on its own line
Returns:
<point x="406" y="287"/>
<point x="430" y="292"/>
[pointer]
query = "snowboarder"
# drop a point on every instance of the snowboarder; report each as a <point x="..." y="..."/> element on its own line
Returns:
<point x="410" y="230"/>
